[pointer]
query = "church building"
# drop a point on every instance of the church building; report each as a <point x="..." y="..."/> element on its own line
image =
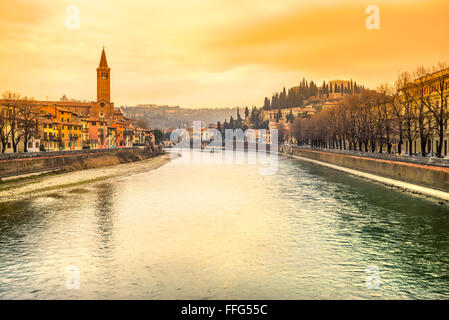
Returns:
<point x="72" y="124"/>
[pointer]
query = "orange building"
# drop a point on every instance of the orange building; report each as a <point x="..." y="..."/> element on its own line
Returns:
<point x="72" y="125"/>
<point x="100" y="114"/>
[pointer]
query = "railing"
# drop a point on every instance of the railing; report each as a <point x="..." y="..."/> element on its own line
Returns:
<point x="434" y="161"/>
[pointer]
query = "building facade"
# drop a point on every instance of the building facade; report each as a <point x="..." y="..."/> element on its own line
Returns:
<point x="72" y="125"/>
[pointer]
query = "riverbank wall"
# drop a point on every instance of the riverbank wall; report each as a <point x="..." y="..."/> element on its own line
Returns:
<point x="417" y="171"/>
<point x="17" y="165"/>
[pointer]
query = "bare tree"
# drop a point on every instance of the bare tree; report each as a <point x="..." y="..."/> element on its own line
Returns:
<point x="282" y="132"/>
<point x="385" y="104"/>
<point x="296" y="130"/>
<point x="367" y="119"/>
<point x="12" y="104"/>
<point x="28" y="121"/>
<point x="405" y="92"/>
<point x="438" y="107"/>
<point x="421" y="100"/>
<point x="397" y="115"/>
<point x="4" y="128"/>
<point x="352" y="126"/>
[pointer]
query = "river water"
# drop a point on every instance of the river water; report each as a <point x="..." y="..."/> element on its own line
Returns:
<point x="226" y="232"/>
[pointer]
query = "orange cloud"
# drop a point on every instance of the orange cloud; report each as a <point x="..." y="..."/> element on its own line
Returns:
<point x="335" y="37"/>
<point x="212" y="52"/>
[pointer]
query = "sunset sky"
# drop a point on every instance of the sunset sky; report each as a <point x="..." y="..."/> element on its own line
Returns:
<point x="212" y="53"/>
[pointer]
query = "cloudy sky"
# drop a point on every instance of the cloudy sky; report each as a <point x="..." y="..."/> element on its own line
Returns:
<point x="219" y="53"/>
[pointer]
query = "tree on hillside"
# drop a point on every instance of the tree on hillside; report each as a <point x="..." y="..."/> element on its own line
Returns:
<point x="142" y="123"/>
<point x="282" y="133"/>
<point x="266" y="105"/>
<point x="239" y="118"/>
<point x="275" y="101"/>
<point x="158" y="136"/>
<point x="290" y="117"/>
<point x="324" y="90"/>
<point x="247" y="110"/>
<point x="278" y="115"/>
<point x="296" y="130"/>
<point x="282" y="98"/>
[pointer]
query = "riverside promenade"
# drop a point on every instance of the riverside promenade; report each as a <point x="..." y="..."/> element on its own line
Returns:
<point x="428" y="176"/>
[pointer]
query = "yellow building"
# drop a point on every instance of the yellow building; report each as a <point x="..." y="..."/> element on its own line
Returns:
<point x="79" y="124"/>
<point x="49" y="133"/>
<point x="69" y="126"/>
<point x="85" y="131"/>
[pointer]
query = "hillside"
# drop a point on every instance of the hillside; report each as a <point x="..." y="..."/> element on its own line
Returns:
<point x="162" y="117"/>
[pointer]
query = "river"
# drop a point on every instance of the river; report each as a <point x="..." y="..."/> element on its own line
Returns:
<point x="219" y="231"/>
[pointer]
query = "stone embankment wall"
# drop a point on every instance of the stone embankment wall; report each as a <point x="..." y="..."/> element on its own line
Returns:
<point x="28" y="163"/>
<point x="433" y="173"/>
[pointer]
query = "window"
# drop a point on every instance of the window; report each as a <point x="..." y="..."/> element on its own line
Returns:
<point x="62" y="119"/>
<point x="94" y="123"/>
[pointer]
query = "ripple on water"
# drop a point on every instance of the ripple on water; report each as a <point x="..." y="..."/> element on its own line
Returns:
<point x="191" y="231"/>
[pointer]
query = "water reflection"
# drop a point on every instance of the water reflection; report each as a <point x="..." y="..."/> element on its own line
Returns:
<point x="221" y="231"/>
<point x="105" y="213"/>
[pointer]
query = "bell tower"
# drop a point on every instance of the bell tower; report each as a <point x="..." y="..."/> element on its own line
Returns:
<point x="103" y="79"/>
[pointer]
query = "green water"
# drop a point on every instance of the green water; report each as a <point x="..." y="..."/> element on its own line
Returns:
<point x="226" y="232"/>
